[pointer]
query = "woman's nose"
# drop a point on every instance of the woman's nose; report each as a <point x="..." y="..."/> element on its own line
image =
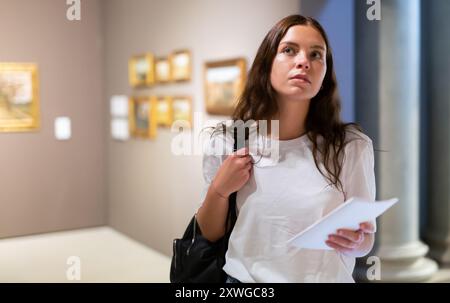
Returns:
<point x="302" y="61"/>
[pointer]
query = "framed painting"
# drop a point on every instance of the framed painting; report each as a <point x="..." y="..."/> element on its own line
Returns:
<point x="19" y="97"/>
<point x="223" y="84"/>
<point x="164" y="111"/>
<point x="162" y="70"/>
<point x="141" y="70"/>
<point x="182" y="108"/>
<point x="142" y="117"/>
<point x="180" y="63"/>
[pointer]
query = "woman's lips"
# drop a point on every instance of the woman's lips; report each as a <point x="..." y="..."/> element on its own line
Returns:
<point x="301" y="78"/>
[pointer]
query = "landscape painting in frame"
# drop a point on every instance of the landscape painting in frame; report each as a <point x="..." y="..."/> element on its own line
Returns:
<point x="143" y="117"/>
<point x="180" y="64"/>
<point x="162" y="70"/>
<point x="164" y="109"/>
<point x="182" y="108"/>
<point x="224" y="82"/>
<point x="19" y="97"/>
<point x="141" y="69"/>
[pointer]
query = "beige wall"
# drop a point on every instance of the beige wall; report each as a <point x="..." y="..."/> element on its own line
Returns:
<point x="49" y="185"/>
<point x="152" y="193"/>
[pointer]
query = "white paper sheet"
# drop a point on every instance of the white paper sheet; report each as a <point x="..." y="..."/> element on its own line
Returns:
<point x="346" y="216"/>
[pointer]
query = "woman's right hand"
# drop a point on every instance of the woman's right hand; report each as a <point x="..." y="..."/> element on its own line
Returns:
<point x="233" y="173"/>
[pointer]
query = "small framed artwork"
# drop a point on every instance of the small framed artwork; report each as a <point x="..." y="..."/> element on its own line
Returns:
<point x="142" y="117"/>
<point x="182" y="108"/>
<point x="224" y="82"/>
<point x="141" y="70"/>
<point x="164" y="109"/>
<point x="19" y="97"/>
<point x="180" y="63"/>
<point x="162" y="70"/>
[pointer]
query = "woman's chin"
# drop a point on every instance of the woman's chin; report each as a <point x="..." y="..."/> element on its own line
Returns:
<point x="300" y="94"/>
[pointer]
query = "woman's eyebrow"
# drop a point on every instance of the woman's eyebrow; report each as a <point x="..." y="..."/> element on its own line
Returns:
<point x="289" y="43"/>
<point x="296" y="45"/>
<point x="318" y="46"/>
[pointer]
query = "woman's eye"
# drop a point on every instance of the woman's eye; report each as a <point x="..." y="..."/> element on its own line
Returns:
<point x="288" y="50"/>
<point x="316" y="55"/>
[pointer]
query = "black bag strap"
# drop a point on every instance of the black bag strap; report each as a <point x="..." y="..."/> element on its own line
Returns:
<point x="231" y="216"/>
<point x="233" y="196"/>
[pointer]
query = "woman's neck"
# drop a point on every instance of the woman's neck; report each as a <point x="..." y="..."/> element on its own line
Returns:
<point x="292" y="118"/>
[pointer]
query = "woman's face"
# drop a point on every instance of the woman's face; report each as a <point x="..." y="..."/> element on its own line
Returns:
<point x="300" y="65"/>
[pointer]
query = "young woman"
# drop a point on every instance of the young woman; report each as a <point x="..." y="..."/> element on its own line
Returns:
<point x="322" y="163"/>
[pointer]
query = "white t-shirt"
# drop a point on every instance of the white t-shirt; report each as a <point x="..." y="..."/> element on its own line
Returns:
<point x="282" y="199"/>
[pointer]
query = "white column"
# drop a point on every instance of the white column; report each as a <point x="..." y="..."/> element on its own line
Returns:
<point x="399" y="248"/>
<point x="438" y="92"/>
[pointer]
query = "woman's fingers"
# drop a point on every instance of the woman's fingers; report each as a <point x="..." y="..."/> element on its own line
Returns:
<point x="352" y="235"/>
<point x="367" y="227"/>
<point x="341" y="241"/>
<point x="344" y="242"/>
<point x="243" y="155"/>
<point x="242" y="152"/>
<point x="338" y="247"/>
<point x="244" y="161"/>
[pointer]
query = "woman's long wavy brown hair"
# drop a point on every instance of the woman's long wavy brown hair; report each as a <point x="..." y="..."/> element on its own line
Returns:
<point x="323" y="121"/>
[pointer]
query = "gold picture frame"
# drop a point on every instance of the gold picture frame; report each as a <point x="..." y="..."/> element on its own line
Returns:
<point x="223" y="83"/>
<point x="181" y="65"/>
<point x="142" y="117"/>
<point x="164" y="111"/>
<point x="162" y="70"/>
<point x="141" y="70"/>
<point x="182" y="108"/>
<point x="19" y="97"/>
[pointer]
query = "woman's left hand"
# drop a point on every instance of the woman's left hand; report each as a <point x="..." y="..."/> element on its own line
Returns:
<point x="350" y="241"/>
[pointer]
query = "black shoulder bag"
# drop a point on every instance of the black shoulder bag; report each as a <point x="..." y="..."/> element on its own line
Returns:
<point x="197" y="260"/>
